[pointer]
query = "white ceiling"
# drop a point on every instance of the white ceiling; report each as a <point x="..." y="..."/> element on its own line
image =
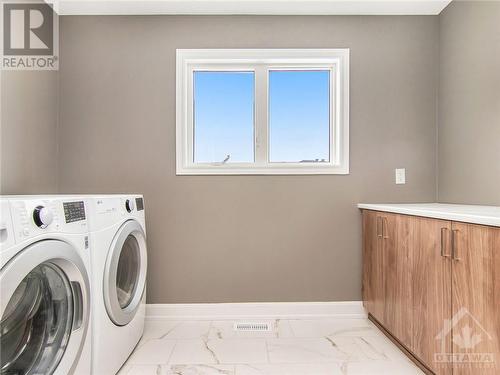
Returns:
<point x="276" y="7"/>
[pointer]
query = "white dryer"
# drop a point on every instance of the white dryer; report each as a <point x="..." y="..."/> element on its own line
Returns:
<point x="119" y="263"/>
<point x="45" y="286"/>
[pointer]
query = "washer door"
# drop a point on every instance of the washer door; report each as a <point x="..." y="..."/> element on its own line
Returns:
<point x="44" y="310"/>
<point x="125" y="273"/>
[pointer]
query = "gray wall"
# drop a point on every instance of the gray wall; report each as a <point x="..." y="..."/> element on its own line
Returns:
<point x="28" y="144"/>
<point x="260" y="238"/>
<point x="469" y="103"/>
<point x="246" y="238"/>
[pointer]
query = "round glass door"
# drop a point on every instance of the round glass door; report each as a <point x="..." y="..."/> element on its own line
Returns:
<point x="125" y="273"/>
<point x="36" y="325"/>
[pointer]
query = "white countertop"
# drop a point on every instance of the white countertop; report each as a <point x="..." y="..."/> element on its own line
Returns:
<point x="485" y="215"/>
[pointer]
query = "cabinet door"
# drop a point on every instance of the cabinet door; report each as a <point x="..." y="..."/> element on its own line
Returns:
<point x="373" y="272"/>
<point x="431" y="292"/>
<point x="399" y="241"/>
<point x="476" y="299"/>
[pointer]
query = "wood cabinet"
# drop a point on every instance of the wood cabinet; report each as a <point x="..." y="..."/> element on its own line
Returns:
<point x="387" y="295"/>
<point x="434" y="285"/>
<point x="476" y="298"/>
<point x="431" y="285"/>
<point x="398" y="232"/>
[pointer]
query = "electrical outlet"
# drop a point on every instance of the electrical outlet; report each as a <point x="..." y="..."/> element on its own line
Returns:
<point x="400" y="176"/>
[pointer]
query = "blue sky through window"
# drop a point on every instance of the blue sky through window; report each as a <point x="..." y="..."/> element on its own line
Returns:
<point x="299" y="115"/>
<point x="223" y="116"/>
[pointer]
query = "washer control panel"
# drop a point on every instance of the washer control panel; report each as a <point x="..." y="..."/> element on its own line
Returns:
<point x="32" y="217"/>
<point x="74" y="211"/>
<point x="139" y="203"/>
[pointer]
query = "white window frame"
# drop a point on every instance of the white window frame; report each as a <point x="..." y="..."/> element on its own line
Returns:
<point x="261" y="61"/>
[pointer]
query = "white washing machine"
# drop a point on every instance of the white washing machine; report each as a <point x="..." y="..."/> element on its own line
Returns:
<point x="45" y="286"/>
<point x="119" y="263"/>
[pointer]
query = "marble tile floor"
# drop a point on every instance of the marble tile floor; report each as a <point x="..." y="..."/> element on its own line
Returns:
<point x="293" y="347"/>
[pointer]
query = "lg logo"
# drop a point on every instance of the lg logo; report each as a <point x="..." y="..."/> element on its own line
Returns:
<point x="28" y="29"/>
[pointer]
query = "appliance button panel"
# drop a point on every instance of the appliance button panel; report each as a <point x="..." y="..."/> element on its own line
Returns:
<point x="139" y="202"/>
<point x="74" y="211"/>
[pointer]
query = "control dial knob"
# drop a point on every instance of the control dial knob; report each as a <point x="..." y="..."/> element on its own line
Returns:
<point x="129" y="205"/>
<point x="42" y="216"/>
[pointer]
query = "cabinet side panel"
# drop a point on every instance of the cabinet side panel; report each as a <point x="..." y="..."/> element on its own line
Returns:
<point x="369" y="248"/>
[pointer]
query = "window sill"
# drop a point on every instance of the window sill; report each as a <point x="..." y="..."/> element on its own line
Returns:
<point x="232" y="170"/>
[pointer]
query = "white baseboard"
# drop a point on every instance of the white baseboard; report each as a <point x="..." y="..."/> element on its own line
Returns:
<point x="268" y="310"/>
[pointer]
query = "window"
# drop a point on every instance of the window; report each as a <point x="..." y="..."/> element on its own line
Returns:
<point x="223" y="117"/>
<point x="275" y="111"/>
<point x="299" y="116"/>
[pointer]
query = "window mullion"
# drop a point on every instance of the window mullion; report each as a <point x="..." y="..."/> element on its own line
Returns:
<point x="261" y="116"/>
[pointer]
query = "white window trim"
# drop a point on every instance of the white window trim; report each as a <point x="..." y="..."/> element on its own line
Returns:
<point x="260" y="61"/>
